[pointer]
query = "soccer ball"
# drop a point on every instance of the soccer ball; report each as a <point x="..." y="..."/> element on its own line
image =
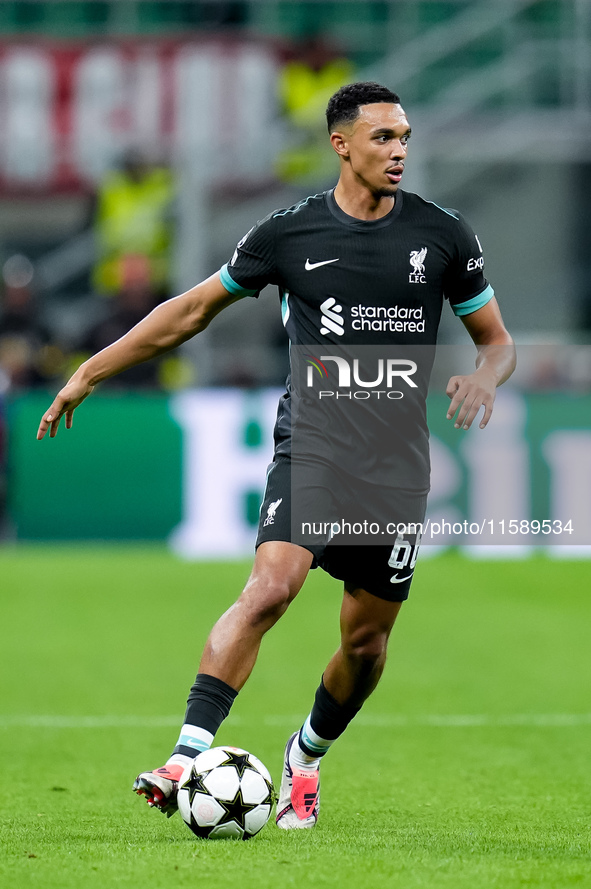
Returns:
<point x="225" y="792"/>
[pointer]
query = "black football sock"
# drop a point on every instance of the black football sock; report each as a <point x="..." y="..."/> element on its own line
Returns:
<point x="208" y="704"/>
<point x="327" y="721"/>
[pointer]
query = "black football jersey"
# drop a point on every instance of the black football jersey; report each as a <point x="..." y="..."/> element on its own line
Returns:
<point x="347" y="285"/>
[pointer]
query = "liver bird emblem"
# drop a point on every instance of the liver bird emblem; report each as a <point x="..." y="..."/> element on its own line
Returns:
<point x="271" y="510"/>
<point x="417" y="260"/>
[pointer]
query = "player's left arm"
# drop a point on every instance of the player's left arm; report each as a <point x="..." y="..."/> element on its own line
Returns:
<point x="495" y="363"/>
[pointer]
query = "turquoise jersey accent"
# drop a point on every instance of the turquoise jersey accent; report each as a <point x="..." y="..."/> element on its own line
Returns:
<point x="285" y="310"/>
<point x="443" y="210"/>
<point x="297" y="206"/>
<point x="472" y="305"/>
<point x="231" y="285"/>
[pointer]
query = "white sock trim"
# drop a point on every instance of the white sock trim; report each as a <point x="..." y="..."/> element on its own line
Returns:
<point x="313" y="741"/>
<point x="198" y="739"/>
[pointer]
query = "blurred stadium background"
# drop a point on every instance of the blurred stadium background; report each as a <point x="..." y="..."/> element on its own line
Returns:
<point x="140" y="140"/>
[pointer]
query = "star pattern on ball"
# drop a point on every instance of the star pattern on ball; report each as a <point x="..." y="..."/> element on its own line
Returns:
<point x="236" y="810"/>
<point x="194" y="785"/>
<point x="240" y="762"/>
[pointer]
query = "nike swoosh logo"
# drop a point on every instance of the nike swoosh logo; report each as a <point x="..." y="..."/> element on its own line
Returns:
<point x="314" y="265"/>
<point x="396" y="579"/>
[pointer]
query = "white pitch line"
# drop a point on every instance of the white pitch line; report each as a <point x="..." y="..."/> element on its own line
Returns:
<point x="373" y="720"/>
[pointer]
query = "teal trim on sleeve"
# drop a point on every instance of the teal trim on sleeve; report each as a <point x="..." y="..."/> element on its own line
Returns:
<point x="231" y="285"/>
<point x="285" y="310"/>
<point x="448" y="211"/>
<point x="472" y="305"/>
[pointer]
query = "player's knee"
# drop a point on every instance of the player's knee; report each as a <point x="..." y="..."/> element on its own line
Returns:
<point x="266" y="600"/>
<point x="367" y="644"/>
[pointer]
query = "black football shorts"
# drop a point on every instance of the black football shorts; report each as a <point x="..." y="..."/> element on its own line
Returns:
<point x="384" y="569"/>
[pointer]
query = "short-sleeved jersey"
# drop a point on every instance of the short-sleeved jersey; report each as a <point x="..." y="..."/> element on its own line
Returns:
<point x="345" y="282"/>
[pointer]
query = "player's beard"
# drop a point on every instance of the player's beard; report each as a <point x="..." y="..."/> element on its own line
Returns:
<point x="387" y="192"/>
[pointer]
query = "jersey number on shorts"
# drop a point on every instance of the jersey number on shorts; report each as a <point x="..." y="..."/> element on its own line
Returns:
<point x="404" y="554"/>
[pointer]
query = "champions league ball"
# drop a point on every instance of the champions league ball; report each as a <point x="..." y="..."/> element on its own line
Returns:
<point x="225" y="792"/>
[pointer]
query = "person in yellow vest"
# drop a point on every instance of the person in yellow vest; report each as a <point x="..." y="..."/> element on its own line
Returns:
<point x="134" y="218"/>
<point x="306" y="82"/>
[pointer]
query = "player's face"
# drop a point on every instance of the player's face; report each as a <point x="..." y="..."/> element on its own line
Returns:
<point x="375" y="147"/>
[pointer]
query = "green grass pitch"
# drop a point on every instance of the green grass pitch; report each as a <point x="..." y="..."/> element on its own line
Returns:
<point x="469" y="767"/>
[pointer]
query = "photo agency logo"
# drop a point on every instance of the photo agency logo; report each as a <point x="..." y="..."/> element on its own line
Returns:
<point x="346" y="379"/>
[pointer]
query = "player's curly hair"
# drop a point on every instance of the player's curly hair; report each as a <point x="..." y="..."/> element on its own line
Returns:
<point x="343" y="106"/>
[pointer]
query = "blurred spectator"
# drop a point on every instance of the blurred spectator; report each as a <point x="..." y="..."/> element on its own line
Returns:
<point x="308" y="79"/>
<point x="135" y="299"/>
<point x="27" y="355"/>
<point x="134" y="217"/>
<point x="131" y="303"/>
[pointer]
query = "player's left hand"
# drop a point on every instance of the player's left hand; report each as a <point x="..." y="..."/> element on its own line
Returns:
<point x="65" y="403"/>
<point x="469" y="393"/>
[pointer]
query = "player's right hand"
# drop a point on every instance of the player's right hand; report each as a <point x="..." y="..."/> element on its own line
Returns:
<point x="65" y="402"/>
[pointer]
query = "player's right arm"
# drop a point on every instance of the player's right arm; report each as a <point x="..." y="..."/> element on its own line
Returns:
<point x="167" y="326"/>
